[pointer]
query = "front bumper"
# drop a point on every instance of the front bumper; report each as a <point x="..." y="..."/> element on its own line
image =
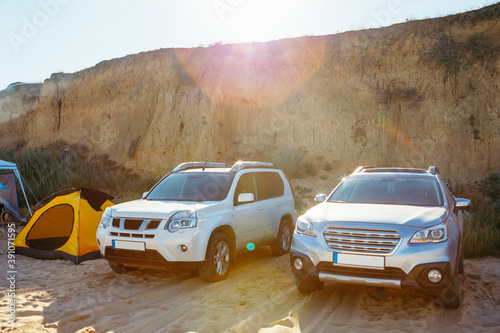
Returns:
<point x="153" y="249"/>
<point x="389" y="277"/>
<point x="405" y="267"/>
<point x="146" y="259"/>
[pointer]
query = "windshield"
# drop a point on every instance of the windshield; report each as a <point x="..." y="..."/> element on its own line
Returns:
<point x="389" y="189"/>
<point x="189" y="186"/>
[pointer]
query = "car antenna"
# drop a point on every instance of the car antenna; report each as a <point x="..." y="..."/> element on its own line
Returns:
<point x="204" y="165"/>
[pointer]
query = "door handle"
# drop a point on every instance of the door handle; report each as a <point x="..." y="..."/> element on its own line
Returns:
<point x="260" y="209"/>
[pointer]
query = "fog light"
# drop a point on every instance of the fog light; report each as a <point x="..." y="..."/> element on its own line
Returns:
<point x="182" y="248"/>
<point x="434" y="276"/>
<point x="297" y="264"/>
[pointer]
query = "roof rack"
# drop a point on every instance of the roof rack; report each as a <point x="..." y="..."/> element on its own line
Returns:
<point x="389" y="169"/>
<point x="361" y="168"/>
<point x="240" y="165"/>
<point x="433" y="170"/>
<point x="196" y="165"/>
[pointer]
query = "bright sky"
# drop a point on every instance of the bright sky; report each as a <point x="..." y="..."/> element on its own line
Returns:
<point x="40" y="37"/>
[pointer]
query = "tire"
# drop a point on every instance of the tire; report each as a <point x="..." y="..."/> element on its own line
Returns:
<point x="284" y="240"/>
<point x="308" y="285"/>
<point x="450" y="295"/>
<point x="218" y="259"/>
<point x="120" y="268"/>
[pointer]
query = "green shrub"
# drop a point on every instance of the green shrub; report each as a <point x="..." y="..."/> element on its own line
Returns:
<point x="303" y="191"/>
<point x="482" y="227"/>
<point x="482" y="232"/>
<point x="309" y="169"/>
<point x="292" y="162"/>
<point x="289" y="160"/>
<point x="300" y="206"/>
<point x="490" y="187"/>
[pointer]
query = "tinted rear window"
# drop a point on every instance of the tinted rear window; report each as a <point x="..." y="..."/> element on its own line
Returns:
<point x="263" y="185"/>
<point x="269" y="185"/>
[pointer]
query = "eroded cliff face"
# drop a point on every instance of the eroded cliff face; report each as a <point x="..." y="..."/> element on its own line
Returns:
<point x="416" y="94"/>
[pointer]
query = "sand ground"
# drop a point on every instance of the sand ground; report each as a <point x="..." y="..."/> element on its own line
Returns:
<point x="259" y="296"/>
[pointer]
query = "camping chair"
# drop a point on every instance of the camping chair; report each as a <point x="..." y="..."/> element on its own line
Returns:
<point x="7" y="219"/>
<point x="10" y="221"/>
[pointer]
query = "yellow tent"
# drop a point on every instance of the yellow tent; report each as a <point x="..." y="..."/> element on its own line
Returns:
<point x="65" y="227"/>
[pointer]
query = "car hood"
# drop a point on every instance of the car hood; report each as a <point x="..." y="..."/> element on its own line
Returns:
<point x="153" y="208"/>
<point x="416" y="216"/>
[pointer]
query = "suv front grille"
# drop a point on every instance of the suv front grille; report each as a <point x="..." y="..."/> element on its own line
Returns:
<point x="135" y="224"/>
<point x="130" y="224"/>
<point x="374" y="241"/>
<point x="153" y="224"/>
<point x="126" y="234"/>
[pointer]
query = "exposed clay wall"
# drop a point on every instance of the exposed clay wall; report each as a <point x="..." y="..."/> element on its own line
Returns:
<point x="415" y="94"/>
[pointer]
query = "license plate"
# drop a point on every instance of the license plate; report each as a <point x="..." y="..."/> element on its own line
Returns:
<point x="344" y="259"/>
<point x="117" y="244"/>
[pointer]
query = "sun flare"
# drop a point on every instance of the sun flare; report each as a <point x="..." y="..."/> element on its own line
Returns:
<point x="258" y="20"/>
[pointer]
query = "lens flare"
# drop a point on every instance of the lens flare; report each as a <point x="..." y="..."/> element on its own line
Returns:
<point x="398" y="134"/>
<point x="254" y="75"/>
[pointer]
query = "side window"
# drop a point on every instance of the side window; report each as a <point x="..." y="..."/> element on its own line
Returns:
<point x="269" y="185"/>
<point x="246" y="184"/>
<point x="279" y="187"/>
<point x="265" y="186"/>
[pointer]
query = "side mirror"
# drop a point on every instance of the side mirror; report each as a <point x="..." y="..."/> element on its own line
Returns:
<point x="144" y="194"/>
<point x="320" y="198"/>
<point x="245" y="197"/>
<point x="462" y="204"/>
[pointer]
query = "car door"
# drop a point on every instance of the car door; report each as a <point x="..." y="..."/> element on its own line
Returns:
<point x="249" y="218"/>
<point x="270" y="190"/>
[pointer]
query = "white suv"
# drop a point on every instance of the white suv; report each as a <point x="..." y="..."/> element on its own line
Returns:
<point x="201" y="215"/>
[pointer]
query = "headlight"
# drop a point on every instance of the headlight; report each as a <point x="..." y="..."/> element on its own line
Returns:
<point x="435" y="234"/>
<point x="106" y="218"/>
<point x="305" y="227"/>
<point x="181" y="220"/>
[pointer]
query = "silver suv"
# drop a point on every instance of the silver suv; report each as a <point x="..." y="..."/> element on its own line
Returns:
<point x="201" y="215"/>
<point x="386" y="227"/>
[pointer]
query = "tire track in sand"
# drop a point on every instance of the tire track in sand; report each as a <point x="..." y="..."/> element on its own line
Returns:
<point x="330" y="308"/>
<point x="164" y="303"/>
<point x="195" y="312"/>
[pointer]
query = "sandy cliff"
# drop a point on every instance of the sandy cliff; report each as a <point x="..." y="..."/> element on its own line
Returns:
<point x="415" y="94"/>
